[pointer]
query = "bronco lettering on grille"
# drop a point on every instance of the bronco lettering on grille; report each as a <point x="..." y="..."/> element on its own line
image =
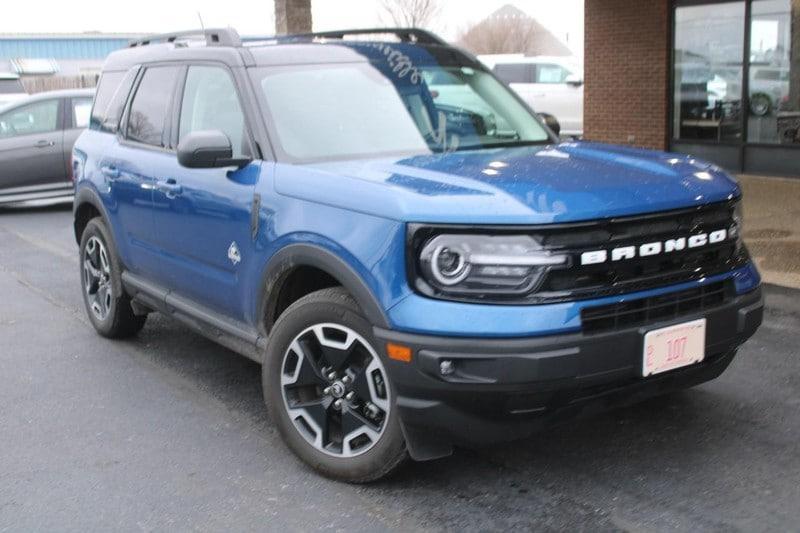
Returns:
<point x="623" y="253"/>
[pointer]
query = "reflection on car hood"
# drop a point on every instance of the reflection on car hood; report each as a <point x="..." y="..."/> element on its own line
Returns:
<point x="520" y="185"/>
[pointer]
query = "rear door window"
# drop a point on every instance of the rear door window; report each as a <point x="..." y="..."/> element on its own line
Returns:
<point x="149" y="109"/>
<point x="514" y="72"/>
<point x="109" y="100"/>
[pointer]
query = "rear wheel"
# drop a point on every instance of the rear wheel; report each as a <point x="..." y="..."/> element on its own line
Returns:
<point x="107" y="305"/>
<point x="328" y="391"/>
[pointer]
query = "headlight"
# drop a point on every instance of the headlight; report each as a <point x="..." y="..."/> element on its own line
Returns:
<point x="485" y="264"/>
<point x="738" y="220"/>
<point x="77" y="165"/>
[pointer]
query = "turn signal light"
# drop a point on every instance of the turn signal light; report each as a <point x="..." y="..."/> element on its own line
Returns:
<point x="398" y="352"/>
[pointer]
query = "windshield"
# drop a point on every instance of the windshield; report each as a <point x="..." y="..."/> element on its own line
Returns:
<point x="340" y="111"/>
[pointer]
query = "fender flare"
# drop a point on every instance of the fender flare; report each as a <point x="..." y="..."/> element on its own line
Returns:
<point x="86" y="195"/>
<point x="294" y="255"/>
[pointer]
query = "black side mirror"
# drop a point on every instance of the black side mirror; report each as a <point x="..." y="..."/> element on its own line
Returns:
<point x="208" y="149"/>
<point x="574" y="80"/>
<point x="552" y="122"/>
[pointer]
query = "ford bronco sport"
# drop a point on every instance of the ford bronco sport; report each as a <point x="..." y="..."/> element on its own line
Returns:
<point x="412" y="255"/>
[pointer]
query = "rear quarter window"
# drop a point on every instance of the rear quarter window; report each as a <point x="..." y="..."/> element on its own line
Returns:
<point x="109" y="101"/>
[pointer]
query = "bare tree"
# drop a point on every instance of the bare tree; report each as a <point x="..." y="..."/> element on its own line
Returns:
<point x="411" y="13"/>
<point x="511" y="31"/>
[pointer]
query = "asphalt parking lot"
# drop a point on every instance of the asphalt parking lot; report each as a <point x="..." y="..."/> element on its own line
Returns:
<point x="168" y="431"/>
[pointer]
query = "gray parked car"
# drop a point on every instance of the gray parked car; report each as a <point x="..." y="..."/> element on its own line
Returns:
<point x="36" y="139"/>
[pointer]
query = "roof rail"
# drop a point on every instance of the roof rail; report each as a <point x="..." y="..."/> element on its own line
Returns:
<point x="408" y="35"/>
<point x="213" y="37"/>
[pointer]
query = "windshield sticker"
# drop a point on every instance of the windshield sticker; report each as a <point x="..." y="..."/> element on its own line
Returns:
<point x="401" y="64"/>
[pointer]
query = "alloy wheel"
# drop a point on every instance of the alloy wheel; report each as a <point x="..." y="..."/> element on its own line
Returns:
<point x="335" y="390"/>
<point x="97" y="278"/>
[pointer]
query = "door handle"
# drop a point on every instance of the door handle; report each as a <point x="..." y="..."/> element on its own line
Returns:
<point x="43" y="144"/>
<point x="169" y="187"/>
<point x="111" y="173"/>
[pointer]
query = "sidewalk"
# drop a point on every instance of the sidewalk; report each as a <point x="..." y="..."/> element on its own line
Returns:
<point x="772" y="227"/>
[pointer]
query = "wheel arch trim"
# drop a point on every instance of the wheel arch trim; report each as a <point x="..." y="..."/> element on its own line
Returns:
<point x="291" y="256"/>
<point x="87" y="195"/>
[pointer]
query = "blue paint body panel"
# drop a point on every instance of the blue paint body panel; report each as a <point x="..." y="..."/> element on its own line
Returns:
<point x="358" y="210"/>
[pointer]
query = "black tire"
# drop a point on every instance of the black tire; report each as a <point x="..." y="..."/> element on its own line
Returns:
<point x="119" y="321"/>
<point x="328" y="306"/>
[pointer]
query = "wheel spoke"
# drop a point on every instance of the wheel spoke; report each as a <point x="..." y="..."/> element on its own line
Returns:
<point x="335" y="390"/>
<point x="95" y="273"/>
<point x="315" y="416"/>
<point x="97" y="278"/>
<point x="306" y="372"/>
<point x="102" y="292"/>
<point x="360" y="385"/>
<point x="359" y="432"/>
<point x="375" y="370"/>
<point x="104" y="264"/>
<point x="335" y="351"/>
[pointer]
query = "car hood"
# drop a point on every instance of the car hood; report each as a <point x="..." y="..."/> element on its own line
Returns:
<point x="521" y="185"/>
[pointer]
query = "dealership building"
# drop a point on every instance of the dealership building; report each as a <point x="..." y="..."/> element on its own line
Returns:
<point x="69" y="54"/>
<point x="716" y="79"/>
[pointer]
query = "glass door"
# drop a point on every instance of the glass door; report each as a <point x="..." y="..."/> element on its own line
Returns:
<point x="708" y="67"/>
<point x="774" y="80"/>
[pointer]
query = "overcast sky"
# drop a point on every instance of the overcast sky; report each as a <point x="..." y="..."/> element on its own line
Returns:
<point x="563" y="17"/>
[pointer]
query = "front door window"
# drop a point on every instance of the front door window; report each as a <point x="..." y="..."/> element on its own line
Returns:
<point x="32" y="119"/>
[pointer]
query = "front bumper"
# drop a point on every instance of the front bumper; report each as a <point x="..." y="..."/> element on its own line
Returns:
<point x="505" y="389"/>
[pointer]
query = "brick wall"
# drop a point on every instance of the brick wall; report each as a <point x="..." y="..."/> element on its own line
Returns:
<point x="627" y="72"/>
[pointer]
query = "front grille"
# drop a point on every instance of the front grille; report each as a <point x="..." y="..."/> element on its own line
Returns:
<point x="575" y="281"/>
<point x="655" y="308"/>
<point x="641" y="273"/>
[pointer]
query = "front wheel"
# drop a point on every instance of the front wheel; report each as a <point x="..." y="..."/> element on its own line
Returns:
<point x="328" y="391"/>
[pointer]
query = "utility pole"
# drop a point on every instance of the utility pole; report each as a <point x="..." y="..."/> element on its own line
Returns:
<point x="292" y="16"/>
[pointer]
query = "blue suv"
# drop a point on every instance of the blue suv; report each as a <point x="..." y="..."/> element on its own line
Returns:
<point x="411" y="253"/>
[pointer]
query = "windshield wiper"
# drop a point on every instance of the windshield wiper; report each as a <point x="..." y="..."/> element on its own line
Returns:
<point x="506" y="144"/>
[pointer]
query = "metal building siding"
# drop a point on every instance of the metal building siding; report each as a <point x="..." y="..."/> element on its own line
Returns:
<point x="59" y="48"/>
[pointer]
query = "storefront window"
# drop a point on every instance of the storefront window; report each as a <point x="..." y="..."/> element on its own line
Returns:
<point x="708" y="71"/>
<point x="774" y="81"/>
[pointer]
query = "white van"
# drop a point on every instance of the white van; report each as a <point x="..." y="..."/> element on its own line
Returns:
<point x="552" y="85"/>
